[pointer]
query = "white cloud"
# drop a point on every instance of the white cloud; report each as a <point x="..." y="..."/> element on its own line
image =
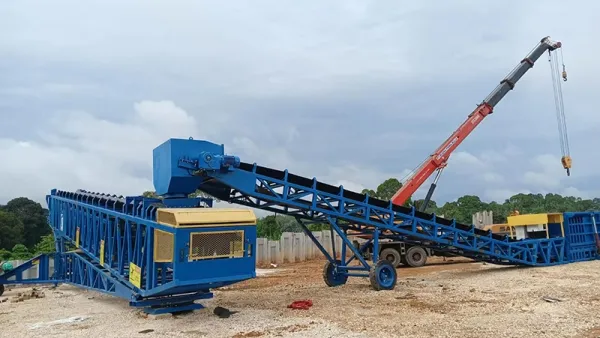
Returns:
<point x="352" y="100"/>
<point x="78" y="150"/>
<point x="465" y="162"/>
<point x="547" y="173"/>
<point x="492" y="177"/>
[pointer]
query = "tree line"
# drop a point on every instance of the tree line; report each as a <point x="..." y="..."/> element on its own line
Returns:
<point x="24" y="229"/>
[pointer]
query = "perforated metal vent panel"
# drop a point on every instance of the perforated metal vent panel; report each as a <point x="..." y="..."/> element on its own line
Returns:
<point x="218" y="244"/>
<point x="164" y="246"/>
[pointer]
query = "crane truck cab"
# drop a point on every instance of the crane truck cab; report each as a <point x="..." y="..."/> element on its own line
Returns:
<point x="397" y="252"/>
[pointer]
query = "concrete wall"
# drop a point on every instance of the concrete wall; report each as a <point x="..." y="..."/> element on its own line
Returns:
<point x="483" y="218"/>
<point x="295" y="247"/>
<point x="31" y="272"/>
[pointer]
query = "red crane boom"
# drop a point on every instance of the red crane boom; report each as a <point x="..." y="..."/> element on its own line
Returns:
<point x="438" y="160"/>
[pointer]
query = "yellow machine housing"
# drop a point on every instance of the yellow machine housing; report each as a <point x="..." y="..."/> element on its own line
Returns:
<point x="535" y="225"/>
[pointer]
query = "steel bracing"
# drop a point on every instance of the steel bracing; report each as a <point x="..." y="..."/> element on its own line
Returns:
<point x="275" y="191"/>
<point x="227" y="178"/>
<point x="109" y="244"/>
<point x="163" y="254"/>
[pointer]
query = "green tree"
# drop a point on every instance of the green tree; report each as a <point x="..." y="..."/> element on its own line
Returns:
<point x="386" y="190"/>
<point x="370" y="192"/>
<point x="267" y="227"/>
<point x="287" y="223"/>
<point x="33" y="217"/>
<point x="150" y="194"/>
<point x="318" y="227"/>
<point x="5" y="255"/>
<point x="20" y="251"/>
<point x="431" y="206"/>
<point x="500" y="211"/>
<point x="11" y="230"/>
<point x="45" y="246"/>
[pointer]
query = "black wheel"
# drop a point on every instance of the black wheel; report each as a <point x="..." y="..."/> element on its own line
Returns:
<point x="331" y="276"/>
<point x="392" y="255"/>
<point x="415" y="256"/>
<point x="383" y="275"/>
<point x="1" y="289"/>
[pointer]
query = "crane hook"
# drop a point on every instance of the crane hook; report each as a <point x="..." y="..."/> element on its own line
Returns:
<point x="564" y="73"/>
<point x="567" y="162"/>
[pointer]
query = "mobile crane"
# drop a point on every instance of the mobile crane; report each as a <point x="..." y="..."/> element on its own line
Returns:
<point x="414" y="255"/>
<point x="439" y="159"/>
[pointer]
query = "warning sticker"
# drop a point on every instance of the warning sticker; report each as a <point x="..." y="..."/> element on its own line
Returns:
<point x="135" y="275"/>
<point x="102" y="252"/>
<point x="77" y="238"/>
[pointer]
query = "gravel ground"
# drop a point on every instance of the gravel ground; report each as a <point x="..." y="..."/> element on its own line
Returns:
<point x="452" y="299"/>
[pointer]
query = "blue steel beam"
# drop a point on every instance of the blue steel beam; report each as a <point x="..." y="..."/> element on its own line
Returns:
<point x="44" y="274"/>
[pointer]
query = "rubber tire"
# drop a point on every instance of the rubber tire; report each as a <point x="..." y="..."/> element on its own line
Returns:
<point x="1" y="289"/>
<point x="397" y="261"/>
<point x="383" y="275"/>
<point x="415" y="263"/>
<point x="330" y="277"/>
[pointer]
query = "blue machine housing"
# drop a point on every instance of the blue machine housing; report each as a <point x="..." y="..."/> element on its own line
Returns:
<point x="174" y="167"/>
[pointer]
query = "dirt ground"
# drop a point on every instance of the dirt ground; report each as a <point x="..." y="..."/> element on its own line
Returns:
<point x="456" y="298"/>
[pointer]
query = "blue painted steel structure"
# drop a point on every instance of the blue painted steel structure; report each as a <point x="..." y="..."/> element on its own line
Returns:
<point x="164" y="254"/>
<point x="182" y="166"/>
<point x="121" y="247"/>
<point x="581" y="235"/>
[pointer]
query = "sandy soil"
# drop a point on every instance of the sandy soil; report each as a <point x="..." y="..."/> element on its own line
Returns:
<point x="451" y="299"/>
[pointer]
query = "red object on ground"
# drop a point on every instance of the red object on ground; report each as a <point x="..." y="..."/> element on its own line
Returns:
<point x="301" y="304"/>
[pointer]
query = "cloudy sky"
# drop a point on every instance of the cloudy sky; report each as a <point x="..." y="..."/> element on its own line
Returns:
<point x="352" y="92"/>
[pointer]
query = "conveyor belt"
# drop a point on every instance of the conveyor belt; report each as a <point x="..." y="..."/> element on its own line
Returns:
<point x="182" y="166"/>
<point x="286" y="193"/>
<point x="335" y="190"/>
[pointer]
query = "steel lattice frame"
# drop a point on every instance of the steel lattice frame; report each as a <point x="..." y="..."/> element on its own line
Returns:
<point x="283" y="196"/>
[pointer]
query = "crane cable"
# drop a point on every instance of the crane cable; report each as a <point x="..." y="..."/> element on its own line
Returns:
<point x="412" y="173"/>
<point x="560" y="109"/>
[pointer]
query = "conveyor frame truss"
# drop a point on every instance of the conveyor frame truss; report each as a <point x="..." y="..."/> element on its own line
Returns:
<point x="344" y="214"/>
<point x="106" y="243"/>
<point x="313" y="201"/>
<point x="112" y="234"/>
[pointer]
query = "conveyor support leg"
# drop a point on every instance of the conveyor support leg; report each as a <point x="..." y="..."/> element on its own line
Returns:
<point x="336" y="271"/>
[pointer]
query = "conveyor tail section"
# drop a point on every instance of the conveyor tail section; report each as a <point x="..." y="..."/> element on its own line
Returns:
<point x="205" y="166"/>
<point x="160" y="255"/>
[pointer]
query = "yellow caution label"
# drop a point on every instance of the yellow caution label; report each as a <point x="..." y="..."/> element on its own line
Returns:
<point x="102" y="252"/>
<point x="77" y="238"/>
<point x="135" y="275"/>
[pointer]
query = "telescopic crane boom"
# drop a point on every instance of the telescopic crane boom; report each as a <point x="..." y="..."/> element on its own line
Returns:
<point x="438" y="160"/>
